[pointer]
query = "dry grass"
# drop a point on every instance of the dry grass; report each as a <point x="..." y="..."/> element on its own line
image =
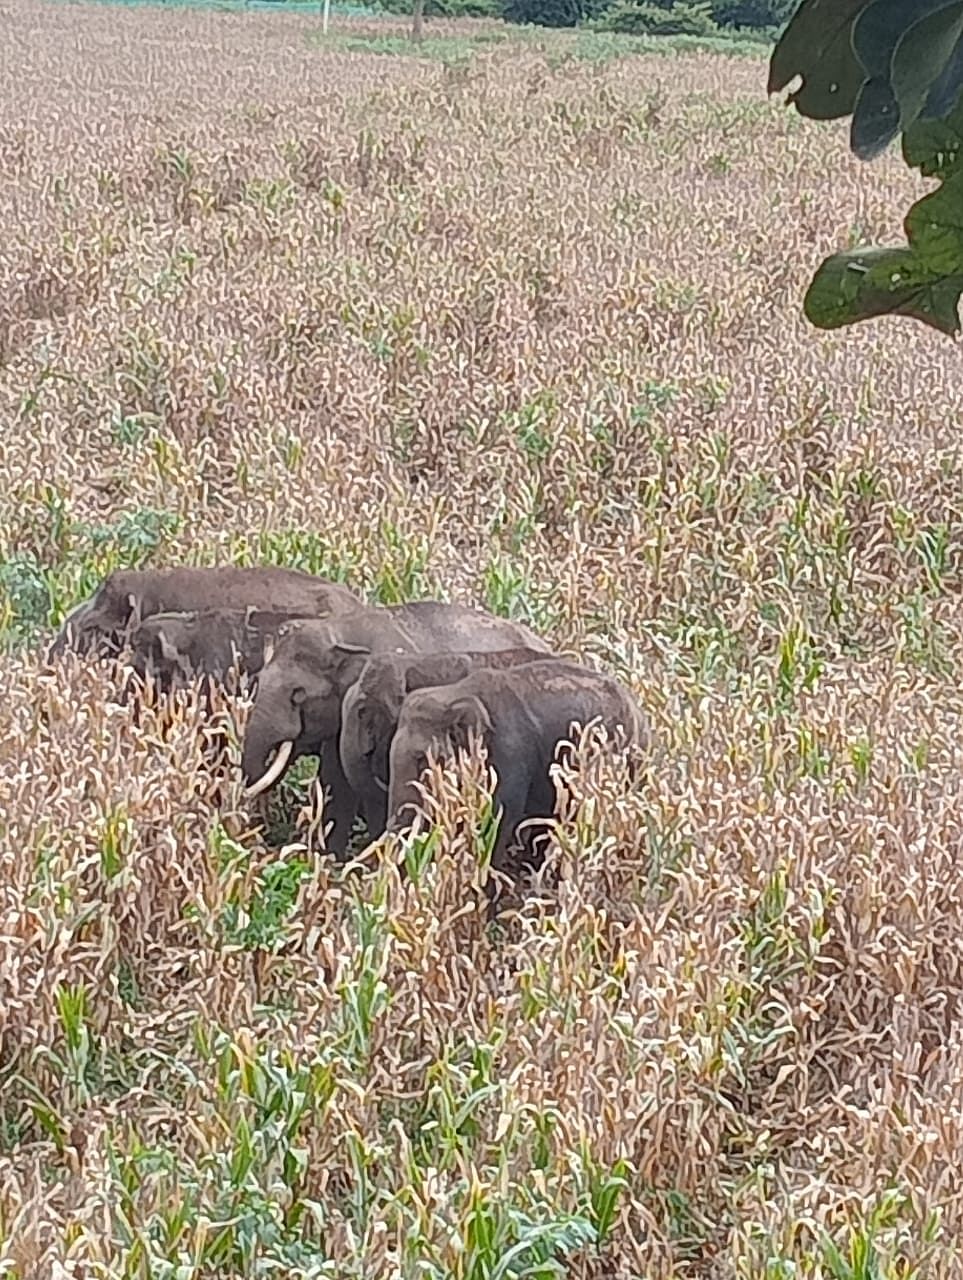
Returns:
<point x="519" y="328"/>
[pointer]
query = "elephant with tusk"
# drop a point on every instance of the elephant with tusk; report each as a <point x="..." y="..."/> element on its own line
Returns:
<point x="297" y="709"/>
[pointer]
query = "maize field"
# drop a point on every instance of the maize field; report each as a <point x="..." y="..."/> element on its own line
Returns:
<point x="513" y="319"/>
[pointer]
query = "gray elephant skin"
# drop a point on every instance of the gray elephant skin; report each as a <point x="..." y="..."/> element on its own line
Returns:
<point x="297" y="710"/>
<point x="178" y="648"/>
<point x="103" y="623"/>
<point x="521" y="714"/>
<point x="370" y="710"/>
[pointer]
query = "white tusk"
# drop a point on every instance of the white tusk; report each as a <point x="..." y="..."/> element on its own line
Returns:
<point x="268" y="779"/>
<point x="379" y="783"/>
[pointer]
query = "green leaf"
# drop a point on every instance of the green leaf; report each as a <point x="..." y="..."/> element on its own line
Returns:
<point x="877" y="33"/>
<point x="605" y="1199"/>
<point x="945" y="89"/>
<point x="935" y="146"/>
<point x="903" y="49"/>
<point x="876" y="29"/>
<point x="875" y="119"/>
<point x="934" y="227"/>
<point x="816" y="45"/>
<point x="834" y="1259"/>
<point x="880" y="26"/>
<point x="865" y="283"/>
<point x="50" y="1122"/>
<point x="920" y="57"/>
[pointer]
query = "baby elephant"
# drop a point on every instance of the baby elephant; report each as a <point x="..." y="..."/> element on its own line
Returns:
<point x="521" y="713"/>
<point x="370" y="710"/>
<point x="179" y="647"/>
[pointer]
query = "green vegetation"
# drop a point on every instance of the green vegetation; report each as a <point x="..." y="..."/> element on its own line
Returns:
<point x="653" y="17"/>
<point x="718" y="19"/>
<point x="897" y="69"/>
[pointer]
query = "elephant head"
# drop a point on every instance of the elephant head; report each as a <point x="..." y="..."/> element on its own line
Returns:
<point x="163" y="645"/>
<point x="369" y="717"/>
<point x="208" y="642"/>
<point x="431" y="720"/>
<point x="101" y="624"/>
<point x="367" y="726"/>
<point x="298" y="703"/>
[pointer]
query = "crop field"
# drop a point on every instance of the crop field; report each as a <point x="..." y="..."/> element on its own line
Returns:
<point x="515" y="322"/>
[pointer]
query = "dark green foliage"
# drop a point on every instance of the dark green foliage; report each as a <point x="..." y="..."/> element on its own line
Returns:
<point x="817" y="45"/>
<point x="135" y="535"/>
<point x="448" y="8"/>
<point x="260" y="922"/>
<point x="643" y="17"/>
<point x="37" y="589"/>
<point x="896" y="66"/>
<point x="25" y="596"/>
<point x="865" y="283"/>
<point x="545" y="13"/>
<point x="752" y="13"/>
<point x="634" y="17"/>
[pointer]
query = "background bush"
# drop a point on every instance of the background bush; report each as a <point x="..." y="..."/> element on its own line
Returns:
<point x="545" y="13"/>
<point x="648" y="18"/>
<point x="634" y="17"/>
<point x="752" y="13"/>
<point x="451" y="8"/>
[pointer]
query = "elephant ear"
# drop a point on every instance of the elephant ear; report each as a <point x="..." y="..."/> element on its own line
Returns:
<point x="468" y="715"/>
<point x="364" y="716"/>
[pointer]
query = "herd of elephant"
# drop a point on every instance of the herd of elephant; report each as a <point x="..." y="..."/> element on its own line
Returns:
<point x="370" y="690"/>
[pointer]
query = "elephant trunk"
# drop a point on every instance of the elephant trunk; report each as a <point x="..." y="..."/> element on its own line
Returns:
<point x="266" y="733"/>
<point x="69" y="635"/>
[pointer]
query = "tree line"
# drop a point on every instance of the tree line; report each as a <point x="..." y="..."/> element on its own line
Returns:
<point x="643" y="17"/>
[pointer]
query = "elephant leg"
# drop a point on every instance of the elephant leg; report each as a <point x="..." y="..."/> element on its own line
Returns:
<point x="510" y="797"/>
<point x="341" y="804"/>
<point x="539" y="811"/>
<point x="509" y="802"/>
<point x="375" y="812"/>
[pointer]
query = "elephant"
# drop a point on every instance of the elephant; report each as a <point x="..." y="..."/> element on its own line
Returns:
<point x="297" y="708"/>
<point x="370" y="710"/>
<point x="521" y="714"/>
<point x="178" y="647"/>
<point x="103" y="623"/>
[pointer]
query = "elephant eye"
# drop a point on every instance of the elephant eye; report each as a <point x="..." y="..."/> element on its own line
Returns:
<point x="297" y="696"/>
